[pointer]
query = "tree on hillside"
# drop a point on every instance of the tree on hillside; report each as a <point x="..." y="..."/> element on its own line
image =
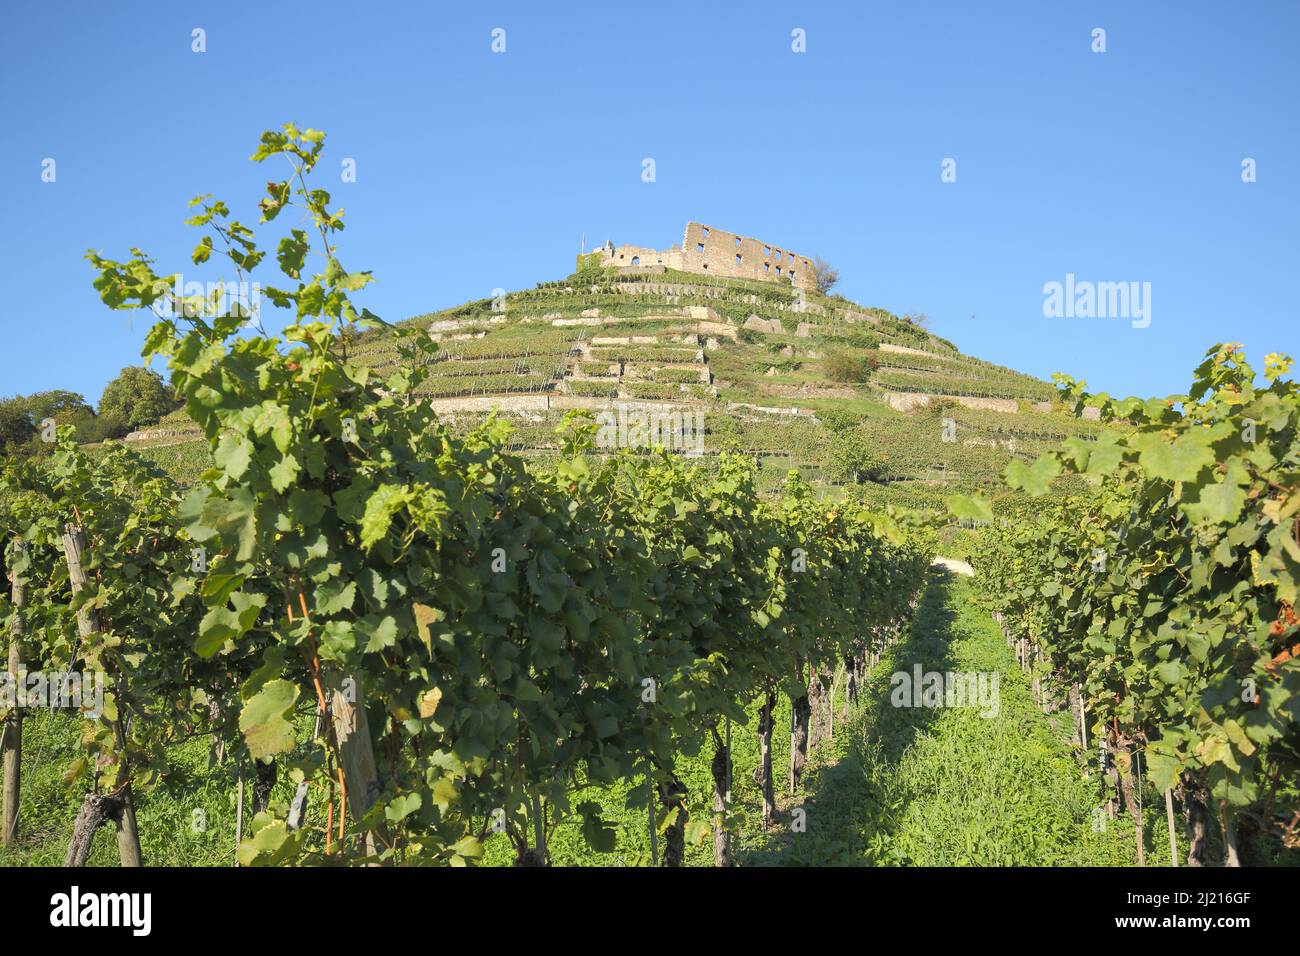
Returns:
<point x="64" y="408"/>
<point x="89" y="426"/>
<point x="137" y="397"/>
<point x="54" y="403"/>
<point x="852" y="457"/>
<point x="919" y="319"/>
<point x="22" y="418"/>
<point x="16" y="425"/>
<point x="827" y="275"/>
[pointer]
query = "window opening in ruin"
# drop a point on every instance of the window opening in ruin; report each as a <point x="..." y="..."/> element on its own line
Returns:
<point x="706" y="232"/>
<point x="699" y="247"/>
<point x="738" y="240"/>
<point x="636" y="260"/>
<point x="767" y="267"/>
<point x="767" y="250"/>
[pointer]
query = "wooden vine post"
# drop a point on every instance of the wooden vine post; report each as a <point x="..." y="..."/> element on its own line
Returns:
<point x="1228" y="825"/>
<point x="1083" y="718"/>
<point x="766" y="724"/>
<point x="120" y="807"/>
<point x="1173" y="833"/>
<point x="341" y="703"/>
<point x="650" y="811"/>
<point x="835" y="683"/>
<point x="11" y="736"/>
<point x="1133" y="797"/>
<point x="239" y="812"/>
<point x="355" y="749"/>
<point x="1035" y="659"/>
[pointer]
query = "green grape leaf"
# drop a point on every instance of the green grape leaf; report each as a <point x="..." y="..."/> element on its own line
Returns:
<point x="265" y="721"/>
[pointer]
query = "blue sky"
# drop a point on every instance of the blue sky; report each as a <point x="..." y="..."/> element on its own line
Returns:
<point x="478" y="170"/>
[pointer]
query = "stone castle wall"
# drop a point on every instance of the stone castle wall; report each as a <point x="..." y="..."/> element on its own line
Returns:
<point x="634" y="257"/>
<point x="709" y="251"/>
<point x="715" y="252"/>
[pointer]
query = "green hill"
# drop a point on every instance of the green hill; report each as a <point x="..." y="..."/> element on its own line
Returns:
<point x="845" y="394"/>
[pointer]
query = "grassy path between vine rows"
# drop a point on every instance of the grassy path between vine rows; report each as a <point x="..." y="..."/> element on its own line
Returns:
<point x="947" y="786"/>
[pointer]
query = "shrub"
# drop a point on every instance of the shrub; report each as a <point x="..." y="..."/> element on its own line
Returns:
<point x="843" y="367"/>
<point x="838" y="420"/>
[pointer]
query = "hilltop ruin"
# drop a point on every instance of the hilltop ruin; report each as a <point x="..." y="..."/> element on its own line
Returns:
<point x="709" y="251"/>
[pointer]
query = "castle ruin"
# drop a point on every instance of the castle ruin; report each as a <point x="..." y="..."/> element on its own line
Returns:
<point x="709" y="251"/>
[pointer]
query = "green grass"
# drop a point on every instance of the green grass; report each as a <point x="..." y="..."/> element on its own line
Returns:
<point x="189" y="822"/>
<point x="947" y="786"/>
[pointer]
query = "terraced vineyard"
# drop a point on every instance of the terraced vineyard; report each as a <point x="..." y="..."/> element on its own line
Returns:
<point x="752" y="357"/>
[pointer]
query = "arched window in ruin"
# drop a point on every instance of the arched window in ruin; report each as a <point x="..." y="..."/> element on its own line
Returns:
<point x="636" y="260"/>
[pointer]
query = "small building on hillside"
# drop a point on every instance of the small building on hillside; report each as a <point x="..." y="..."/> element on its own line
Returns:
<point x="709" y="251"/>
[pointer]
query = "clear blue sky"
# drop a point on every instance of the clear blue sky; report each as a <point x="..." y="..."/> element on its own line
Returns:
<point x="477" y="170"/>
